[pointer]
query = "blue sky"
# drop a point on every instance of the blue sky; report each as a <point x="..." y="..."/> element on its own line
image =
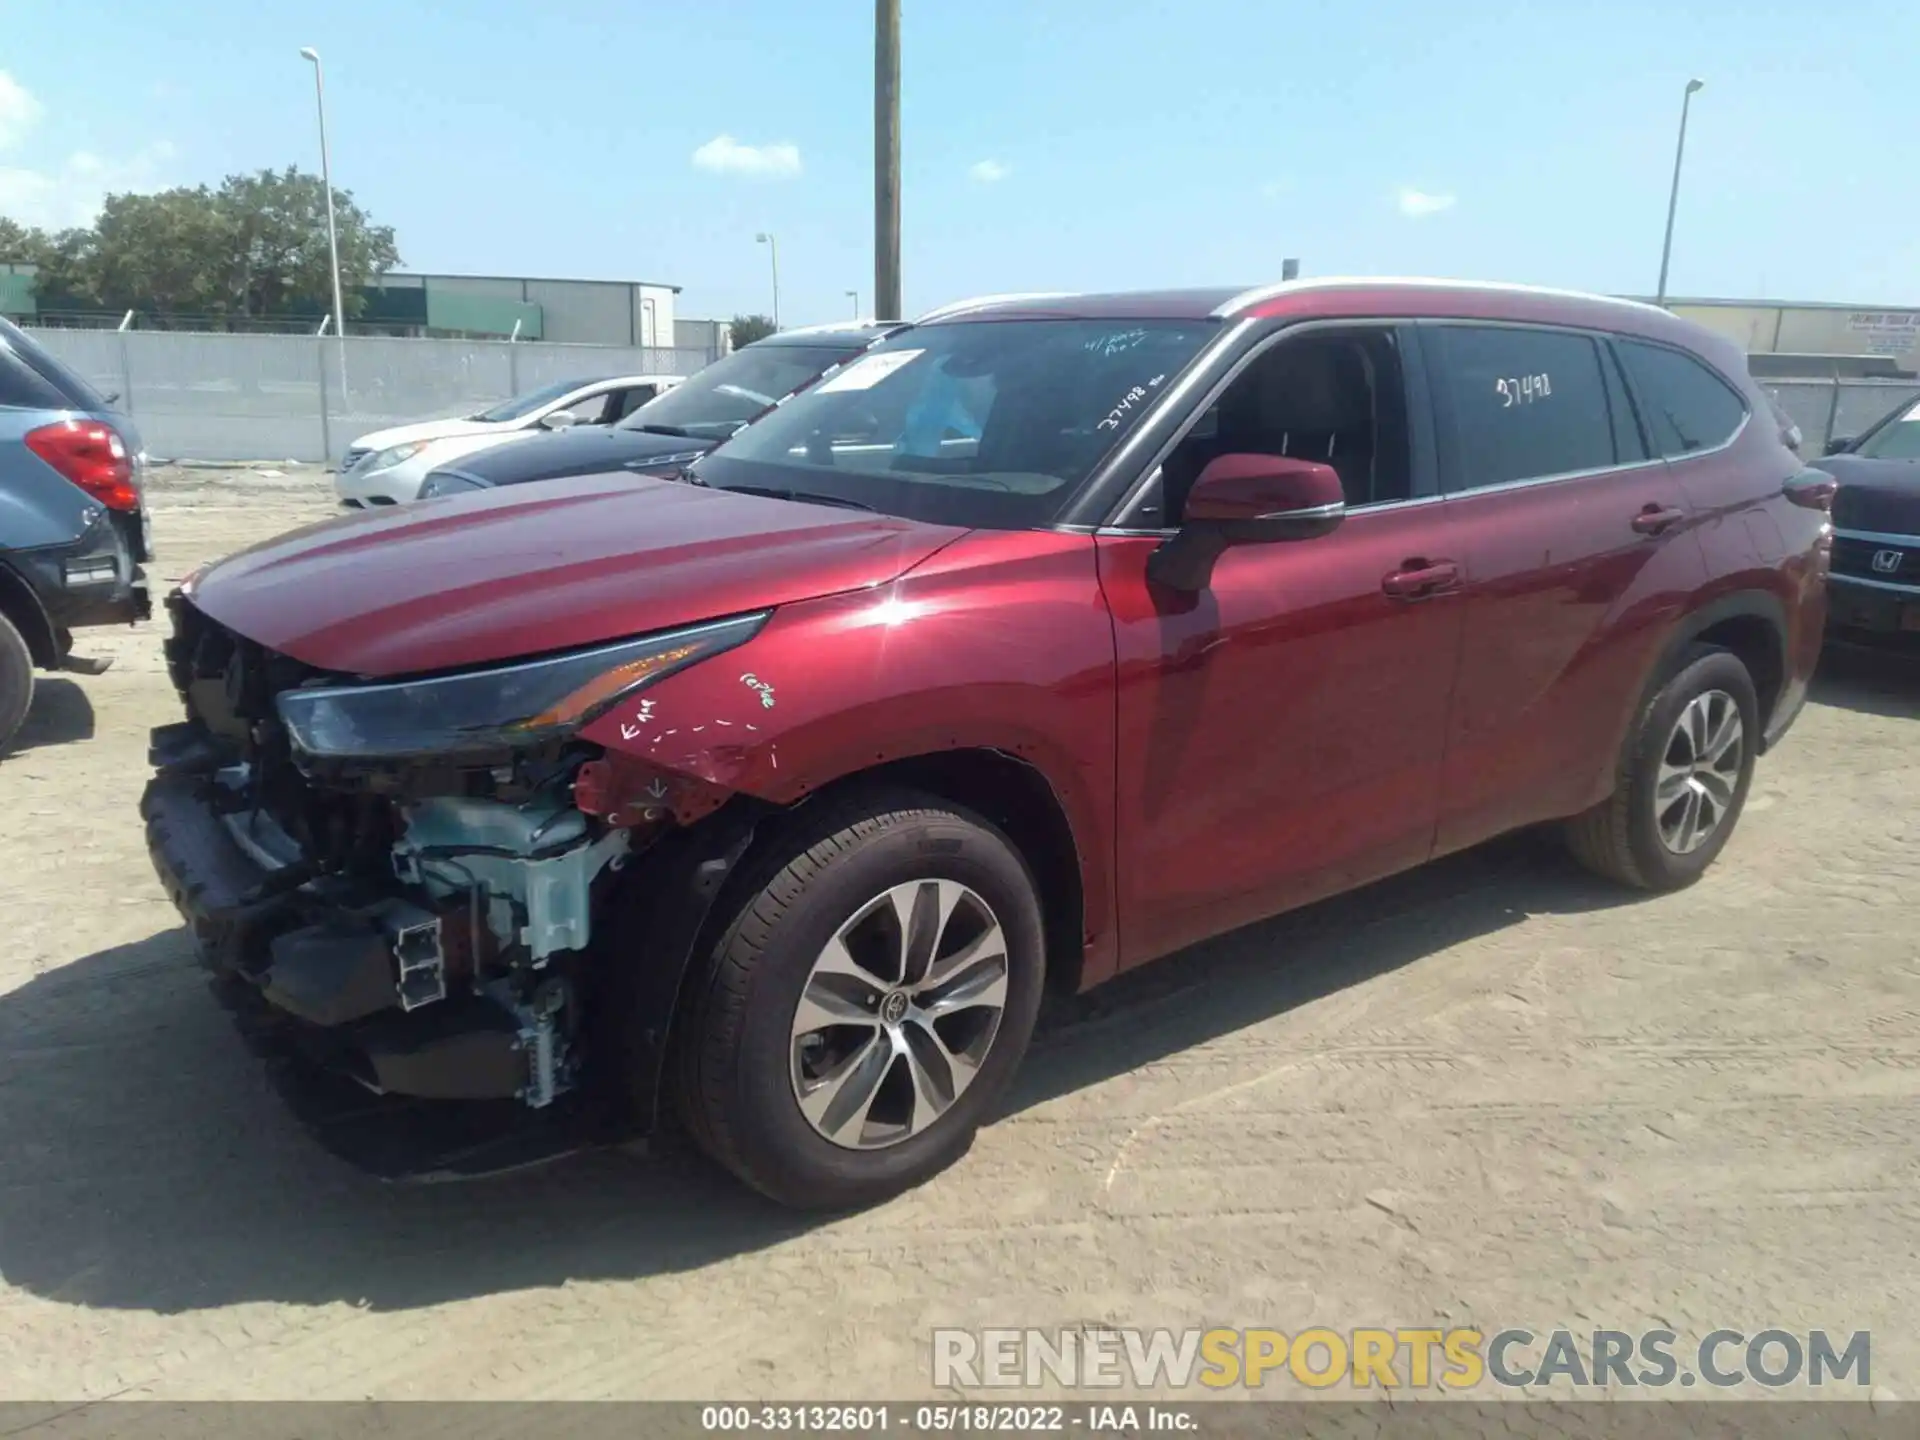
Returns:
<point x="1047" y="143"/>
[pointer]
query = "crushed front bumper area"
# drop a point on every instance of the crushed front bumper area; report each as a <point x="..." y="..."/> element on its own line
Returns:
<point x="349" y="989"/>
<point x="327" y="967"/>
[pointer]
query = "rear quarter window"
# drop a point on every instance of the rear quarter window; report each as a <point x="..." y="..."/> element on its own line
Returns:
<point x="22" y="387"/>
<point x="31" y="373"/>
<point x="1686" y="405"/>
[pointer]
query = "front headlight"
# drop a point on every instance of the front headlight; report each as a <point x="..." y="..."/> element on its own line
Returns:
<point x="489" y="710"/>
<point x="445" y="482"/>
<point x="391" y="456"/>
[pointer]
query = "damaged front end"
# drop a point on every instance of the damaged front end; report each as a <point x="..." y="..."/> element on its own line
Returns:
<point x="406" y="880"/>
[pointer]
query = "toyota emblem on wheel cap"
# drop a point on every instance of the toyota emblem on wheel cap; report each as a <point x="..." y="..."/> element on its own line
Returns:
<point x="1885" y="562"/>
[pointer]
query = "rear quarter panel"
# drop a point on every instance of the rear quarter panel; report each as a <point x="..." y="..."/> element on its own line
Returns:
<point x="1755" y="540"/>
<point x="38" y="506"/>
<point x="1000" y="641"/>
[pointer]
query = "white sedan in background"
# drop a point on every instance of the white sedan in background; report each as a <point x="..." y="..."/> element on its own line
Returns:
<point x="386" y="467"/>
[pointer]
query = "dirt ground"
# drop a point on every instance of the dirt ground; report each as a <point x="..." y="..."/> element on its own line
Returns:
<point x="1494" y="1093"/>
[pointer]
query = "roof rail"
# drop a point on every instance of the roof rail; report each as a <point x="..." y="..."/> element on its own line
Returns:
<point x="831" y="325"/>
<point x="1322" y="282"/>
<point x="981" y="302"/>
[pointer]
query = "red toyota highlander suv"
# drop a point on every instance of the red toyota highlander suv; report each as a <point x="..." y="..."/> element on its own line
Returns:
<point x="1050" y="636"/>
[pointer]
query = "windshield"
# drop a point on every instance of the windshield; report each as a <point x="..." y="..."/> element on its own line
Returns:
<point x="522" y="406"/>
<point x="989" y="424"/>
<point x="735" y="389"/>
<point x="1899" y="440"/>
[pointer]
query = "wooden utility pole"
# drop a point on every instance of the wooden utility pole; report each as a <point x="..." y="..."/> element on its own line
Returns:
<point x="886" y="159"/>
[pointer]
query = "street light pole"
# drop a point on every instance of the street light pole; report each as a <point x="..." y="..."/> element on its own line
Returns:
<point x="326" y="180"/>
<point x="1673" y="198"/>
<point x="773" y="254"/>
<point x="854" y="296"/>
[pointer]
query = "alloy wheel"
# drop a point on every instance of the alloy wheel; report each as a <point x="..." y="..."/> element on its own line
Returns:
<point x="898" y="1014"/>
<point x="1699" y="771"/>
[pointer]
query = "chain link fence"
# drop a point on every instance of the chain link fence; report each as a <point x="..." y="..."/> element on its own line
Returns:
<point x="1824" y="409"/>
<point x="198" y="396"/>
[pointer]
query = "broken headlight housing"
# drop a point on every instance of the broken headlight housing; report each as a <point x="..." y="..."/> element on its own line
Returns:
<point x="484" y="711"/>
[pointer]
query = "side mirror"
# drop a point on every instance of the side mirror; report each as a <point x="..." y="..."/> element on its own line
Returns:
<point x="560" y="420"/>
<point x="1247" y="500"/>
<point x="1839" y="445"/>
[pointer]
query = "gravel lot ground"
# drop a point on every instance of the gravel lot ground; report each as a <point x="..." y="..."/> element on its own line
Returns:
<point x="1493" y="1093"/>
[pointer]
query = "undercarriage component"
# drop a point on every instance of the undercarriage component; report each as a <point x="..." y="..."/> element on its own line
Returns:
<point x="548" y="1054"/>
<point x="532" y="865"/>
<point x="419" y="963"/>
<point x="330" y="974"/>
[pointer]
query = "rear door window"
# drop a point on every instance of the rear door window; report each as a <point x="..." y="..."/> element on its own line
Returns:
<point x="1527" y="404"/>
<point x="1687" y="407"/>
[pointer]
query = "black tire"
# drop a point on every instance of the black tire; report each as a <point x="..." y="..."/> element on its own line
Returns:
<point x="1620" y="837"/>
<point x="16" y="682"/>
<point x="733" y="1051"/>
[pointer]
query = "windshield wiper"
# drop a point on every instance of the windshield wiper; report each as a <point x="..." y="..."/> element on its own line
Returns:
<point x="677" y="430"/>
<point x="809" y="497"/>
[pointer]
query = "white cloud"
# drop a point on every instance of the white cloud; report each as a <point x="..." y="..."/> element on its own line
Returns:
<point x="69" y="193"/>
<point x="725" y="155"/>
<point x="1418" y="204"/>
<point x="72" y="193"/>
<point x="19" y="111"/>
<point x="989" y="172"/>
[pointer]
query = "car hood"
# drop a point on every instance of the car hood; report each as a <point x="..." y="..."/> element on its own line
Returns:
<point x="478" y="579"/>
<point x="1875" y="495"/>
<point x="581" y="451"/>
<point x="426" y="430"/>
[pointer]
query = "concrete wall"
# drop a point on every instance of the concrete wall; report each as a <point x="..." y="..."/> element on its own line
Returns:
<point x="209" y="396"/>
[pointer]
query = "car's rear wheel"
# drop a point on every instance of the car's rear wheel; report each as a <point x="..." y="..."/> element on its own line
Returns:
<point x="1683" y="779"/>
<point x="866" y="1003"/>
<point x="16" y="682"/>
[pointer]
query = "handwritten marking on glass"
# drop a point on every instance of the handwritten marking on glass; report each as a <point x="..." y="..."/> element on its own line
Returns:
<point x="1127" y="402"/>
<point x="1522" y="389"/>
<point x="1115" y="344"/>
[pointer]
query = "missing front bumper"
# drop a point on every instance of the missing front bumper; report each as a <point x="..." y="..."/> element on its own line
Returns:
<point x="341" y="981"/>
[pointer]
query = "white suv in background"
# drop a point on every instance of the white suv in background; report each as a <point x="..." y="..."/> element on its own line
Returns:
<point x="385" y="467"/>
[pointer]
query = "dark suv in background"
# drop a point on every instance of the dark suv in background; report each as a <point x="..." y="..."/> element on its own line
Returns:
<point x="1876" y="535"/>
<point x="678" y="427"/>
<point x="73" y="523"/>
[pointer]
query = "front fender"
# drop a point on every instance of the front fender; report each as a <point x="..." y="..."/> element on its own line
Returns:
<point x="1001" y="641"/>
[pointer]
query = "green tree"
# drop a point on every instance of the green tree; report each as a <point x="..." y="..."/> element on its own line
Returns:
<point x="257" y="246"/>
<point x="749" y="328"/>
<point x="278" y="244"/>
<point x="20" y="244"/>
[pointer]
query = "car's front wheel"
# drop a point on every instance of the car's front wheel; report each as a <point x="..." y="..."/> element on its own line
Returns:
<point x="866" y="1003"/>
<point x="1683" y="778"/>
<point x="16" y="681"/>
